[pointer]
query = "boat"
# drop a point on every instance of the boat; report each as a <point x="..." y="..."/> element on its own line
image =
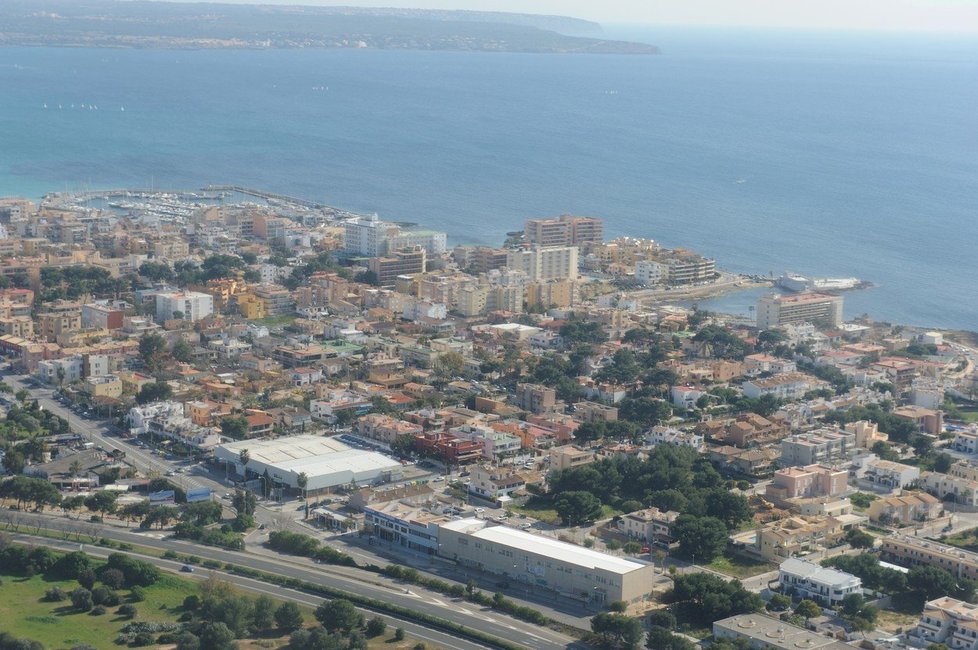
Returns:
<point x="795" y="282"/>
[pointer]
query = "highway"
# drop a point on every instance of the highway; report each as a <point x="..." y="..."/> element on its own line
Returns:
<point x="348" y="579"/>
<point x="255" y="587"/>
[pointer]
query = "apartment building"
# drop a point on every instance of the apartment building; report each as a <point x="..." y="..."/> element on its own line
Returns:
<point x="905" y="509"/>
<point x="385" y="428"/>
<point x="807" y="580"/>
<point x="189" y="305"/>
<point x="494" y="482"/>
<point x="887" y="474"/>
<point x="99" y="316"/>
<point x="867" y="433"/>
<point x="406" y="261"/>
<point x="554" y="263"/>
<point x="566" y="230"/>
<point x="816" y="447"/>
<point x="809" y="481"/>
<point x="651" y="525"/>
<point x="789" y="537"/>
<point x="535" y="398"/>
<point x="950" y="622"/>
<point x="660" y="435"/>
<point x="944" y="486"/>
<point x="786" y="386"/>
<point x="569" y="456"/>
<point x="586" y="411"/>
<point x="545" y="563"/>
<point x="917" y="551"/>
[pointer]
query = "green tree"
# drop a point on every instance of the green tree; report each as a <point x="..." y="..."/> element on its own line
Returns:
<point x="338" y="615"/>
<point x="264" y="613"/>
<point x="234" y="427"/>
<point x="778" y="603"/>
<point x="152" y="350"/>
<point x="701" y="539"/>
<point x="859" y="538"/>
<point x="183" y="351"/>
<point x="577" y="507"/>
<point x="288" y="617"/>
<point x="102" y="502"/>
<point x="617" y="631"/>
<point x="659" y="638"/>
<point x="808" y="609"/>
<point x="157" y="391"/>
<point x="701" y="598"/>
<point x="216" y="636"/>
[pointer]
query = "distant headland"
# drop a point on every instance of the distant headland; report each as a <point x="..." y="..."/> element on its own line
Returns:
<point x="141" y="24"/>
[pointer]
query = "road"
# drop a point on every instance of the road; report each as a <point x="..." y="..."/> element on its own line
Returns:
<point x="439" y="639"/>
<point x="348" y="579"/>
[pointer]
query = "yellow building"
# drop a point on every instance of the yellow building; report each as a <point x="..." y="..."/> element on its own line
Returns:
<point x="251" y="306"/>
<point x="103" y="386"/>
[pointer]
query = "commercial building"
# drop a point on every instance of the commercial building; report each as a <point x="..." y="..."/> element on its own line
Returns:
<point x="816" y="447"/>
<point x="807" y="580"/>
<point x="685" y="267"/>
<point x="189" y="305"/>
<point x="400" y="523"/>
<point x="554" y="263"/>
<point x="948" y="621"/>
<point x="566" y="230"/>
<point x="774" y="310"/>
<point x="544" y="562"/>
<point x="326" y="462"/>
<point x="916" y="551"/>
<point x="765" y="633"/>
<point x="371" y="237"/>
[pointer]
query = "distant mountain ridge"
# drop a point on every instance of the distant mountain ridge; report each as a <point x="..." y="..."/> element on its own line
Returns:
<point x="112" y="23"/>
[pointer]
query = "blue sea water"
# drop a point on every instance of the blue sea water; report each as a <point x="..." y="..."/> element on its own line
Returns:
<point x="827" y="154"/>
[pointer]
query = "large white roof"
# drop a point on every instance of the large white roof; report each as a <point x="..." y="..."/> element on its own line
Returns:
<point x="541" y="545"/>
<point x="278" y="451"/>
<point x="326" y="461"/>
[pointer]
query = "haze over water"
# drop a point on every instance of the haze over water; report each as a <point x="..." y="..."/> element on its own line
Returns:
<point x="833" y="155"/>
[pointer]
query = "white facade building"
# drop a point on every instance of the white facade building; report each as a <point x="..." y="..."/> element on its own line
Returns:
<point x="650" y="273"/>
<point x="554" y="263"/>
<point x="192" y="304"/>
<point x="810" y="581"/>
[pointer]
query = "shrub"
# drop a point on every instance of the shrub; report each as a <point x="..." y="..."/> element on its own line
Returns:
<point x="399" y="634"/>
<point x="98" y="610"/>
<point x="170" y="555"/>
<point x="55" y="595"/>
<point x="137" y="594"/>
<point x="81" y="599"/>
<point x="142" y="639"/>
<point x="113" y="578"/>
<point x="662" y="618"/>
<point x="127" y="610"/>
<point x="376" y="626"/>
<point x="191" y="602"/>
<point x="102" y="595"/>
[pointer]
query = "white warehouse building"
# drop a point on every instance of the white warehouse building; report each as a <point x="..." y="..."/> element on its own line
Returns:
<point x="326" y="462"/>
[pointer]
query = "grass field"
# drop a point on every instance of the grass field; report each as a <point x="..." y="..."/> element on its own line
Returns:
<point x="25" y="614"/>
<point x="738" y="566"/>
<point x="969" y="414"/>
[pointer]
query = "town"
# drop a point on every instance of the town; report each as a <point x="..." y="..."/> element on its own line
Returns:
<point x="534" y="445"/>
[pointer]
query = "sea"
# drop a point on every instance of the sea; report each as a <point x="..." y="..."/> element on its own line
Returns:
<point x="828" y="154"/>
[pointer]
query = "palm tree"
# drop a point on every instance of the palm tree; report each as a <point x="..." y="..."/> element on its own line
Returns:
<point x="244" y="458"/>
<point x="302" y="480"/>
<point x="74" y="468"/>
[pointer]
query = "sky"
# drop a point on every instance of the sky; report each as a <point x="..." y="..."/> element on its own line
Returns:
<point x="889" y="15"/>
